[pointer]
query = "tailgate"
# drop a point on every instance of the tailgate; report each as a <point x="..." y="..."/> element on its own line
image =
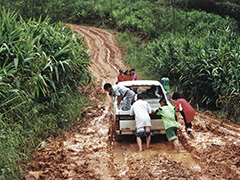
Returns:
<point x="127" y="125"/>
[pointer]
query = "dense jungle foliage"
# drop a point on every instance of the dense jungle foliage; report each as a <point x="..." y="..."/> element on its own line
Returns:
<point x="85" y="10"/>
<point x="41" y="69"/>
<point x="200" y="55"/>
<point x="196" y="43"/>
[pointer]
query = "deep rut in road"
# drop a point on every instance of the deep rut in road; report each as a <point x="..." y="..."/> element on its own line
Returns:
<point x="89" y="153"/>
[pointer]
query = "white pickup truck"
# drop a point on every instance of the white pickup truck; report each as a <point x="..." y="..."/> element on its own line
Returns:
<point x="152" y="91"/>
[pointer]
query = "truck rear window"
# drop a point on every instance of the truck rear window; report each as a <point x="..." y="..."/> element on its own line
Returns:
<point x="149" y="91"/>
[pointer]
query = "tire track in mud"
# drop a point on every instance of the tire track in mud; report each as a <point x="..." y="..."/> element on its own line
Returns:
<point x="87" y="153"/>
<point x="93" y="43"/>
<point x="109" y="48"/>
<point x="215" y="147"/>
<point x="107" y="56"/>
<point x="225" y="127"/>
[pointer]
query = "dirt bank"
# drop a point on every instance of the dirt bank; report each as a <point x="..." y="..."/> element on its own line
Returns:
<point x="89" y="153"/>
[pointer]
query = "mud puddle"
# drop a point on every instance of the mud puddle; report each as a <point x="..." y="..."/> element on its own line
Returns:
<point x="157" y="147"/>
<point x="157" y="162"/>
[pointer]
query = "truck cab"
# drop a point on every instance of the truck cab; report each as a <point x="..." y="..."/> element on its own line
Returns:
<point x="152" y="92"/>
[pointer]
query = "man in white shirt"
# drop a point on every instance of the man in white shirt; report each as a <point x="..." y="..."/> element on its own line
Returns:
<point x="121" y="92"/>
<point x="141" y="109"/>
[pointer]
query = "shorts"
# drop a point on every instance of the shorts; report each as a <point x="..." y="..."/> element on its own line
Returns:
<point x="143" y="131"/>
<point x="171" y="134"/>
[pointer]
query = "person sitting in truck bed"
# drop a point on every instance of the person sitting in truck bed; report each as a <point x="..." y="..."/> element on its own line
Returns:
<point x="120" y="76"/>
<point x="141" y="109"/>
<point x="121" y="92"/>
<point x="133" y="78"/>
<point x="126" y="76"/>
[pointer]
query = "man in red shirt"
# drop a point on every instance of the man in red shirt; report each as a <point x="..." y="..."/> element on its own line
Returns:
<point x="186" y="111"/>
<point x="120" y="76"/>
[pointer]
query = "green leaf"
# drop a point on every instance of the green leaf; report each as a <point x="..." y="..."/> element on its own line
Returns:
<point x="16" y="60"/>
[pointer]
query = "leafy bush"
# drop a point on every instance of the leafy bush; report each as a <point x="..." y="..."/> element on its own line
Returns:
<point x="204" y="69"/>
<point x="150" y="19"/>
<point x="202" y="64"/>
<point x="42" y="58"/>
<point x="42" y="66"/>
<point x="85" y="11"/>
<point x="221" y="7"/>
<point x="56" y="10"/>
<point x="200" y="22"/>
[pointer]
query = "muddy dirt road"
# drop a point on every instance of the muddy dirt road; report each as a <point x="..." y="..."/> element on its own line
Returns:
<point x="88" y="152"/>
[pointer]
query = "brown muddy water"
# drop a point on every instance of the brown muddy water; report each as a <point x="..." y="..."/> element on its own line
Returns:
<point x="158" y="146"/>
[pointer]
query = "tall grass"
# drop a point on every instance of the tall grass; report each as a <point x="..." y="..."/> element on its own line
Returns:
<point x="203" y="69"/>
<point x="41" y="67"/>
<point x="91" y="11"/>
<point x="202" y="65"/>
<point x="47" y="57"/>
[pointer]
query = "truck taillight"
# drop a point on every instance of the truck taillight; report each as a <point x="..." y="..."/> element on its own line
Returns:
<point x="117" y="122"/>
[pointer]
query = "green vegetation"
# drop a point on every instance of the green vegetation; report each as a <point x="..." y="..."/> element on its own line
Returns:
<point x="42" y="65"/>
<point x="103" y="10"/>
<point x="223" y="8"/>
<point x="204" y="69"/>
<point x="56" y="10"/>
<point x="201" y="60"/>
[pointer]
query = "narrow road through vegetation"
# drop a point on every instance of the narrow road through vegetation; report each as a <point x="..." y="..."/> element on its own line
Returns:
<point x="89" y="152"/>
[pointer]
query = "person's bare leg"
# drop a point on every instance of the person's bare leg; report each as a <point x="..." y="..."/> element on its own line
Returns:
<point x="191" y="134"/>
<point x="176" y="145"/>
<point x="139" y="142"/>
<point x="148" y="139"/>
<point x="172" y="145"/>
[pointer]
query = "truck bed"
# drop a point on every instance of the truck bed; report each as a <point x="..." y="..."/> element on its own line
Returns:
<point x="126" y="123"/>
